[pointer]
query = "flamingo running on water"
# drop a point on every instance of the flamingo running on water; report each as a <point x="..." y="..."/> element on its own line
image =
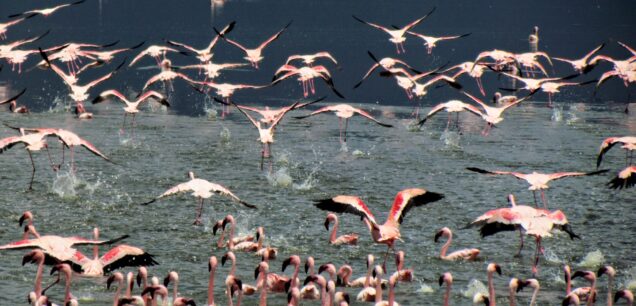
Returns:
<point x="388" y="232"/>
<point x="254" y="56"/>
<point x="309" y="59"/>
<point x="538" y="181"/>
<point x="33" y="142"/>
<point x="398" y="35"/>
<point x="626" y="178"/>
<point x="386" y="63"/>
<point x="306" y="76"/>
<point x="493" y="115"/>
<point x="269" y="115"/>
<point x="452" y="106"/>
<point x="201" y="189"/>
<point x="344" y="112"/>
<point x="464" y="254"/>
<point x="431" y="41"/>
<point x="155" y="51"/>
<point x="205" y="55"/>
<point x="132" y="107"/>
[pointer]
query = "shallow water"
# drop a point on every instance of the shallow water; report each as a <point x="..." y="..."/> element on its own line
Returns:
<point x="309" y="164"/>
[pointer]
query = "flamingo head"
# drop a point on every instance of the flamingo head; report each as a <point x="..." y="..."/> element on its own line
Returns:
<point x="229" y="255"/>
<point x="33" y="257"/>
<point x="226" y="220"/>
<point x="172" y="276"/>
<point x="191" y="175"/>
<point x="218" y="225"/>
<point x="292" y="260"/>
<point x="625" y="294"/>
<point x="609" y="270"/>
<point x="329" y="267"/>
<point x="142" y="273"/>
<point x="117" y="276"/>
<point x="587" y="275"/>
<point x="263" y="267"/>
<point x="27" y="215"/>
<point x="330" y="218"/>
<point x="493" y="267"/>
<point x="309" y="263"/>
<point x="445" y="232"/>
<point x="445" y="278"/>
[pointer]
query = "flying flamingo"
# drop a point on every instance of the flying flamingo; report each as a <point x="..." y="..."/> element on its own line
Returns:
<point x="537" y="180"/>
<point x="47" y="11"/>
<point x="344" y="112"/>
<point x="167" y="75"/>
<point x="398" y="35"/>
<point x="351" y="239"/>
<point x="530" y="61"/>
<point x="490" y="299"/>
<point x="447" y="279"/>
<point x="254" y="56"/>
<point x="386" y="63"/>
<point x="132" y="107"/>
<point x="493" y="115"/>
<point x="205" y="55"/>
<point x="226" y="90"/>
<point x="201" y="189"/>
<point x="628" y="143"/>
<point x="306" y="76"/>
<point x="464" y="254"/>
<point x="71" y="54"/>
<point x="552" y="88"/>
<point x="611" y="273"/>
<point x="268" y="115"/>
<point x="452" y="106"/>
<point x="266" y="135"/>
<point x="404" y="275"/>
<point x="474" y="71"/>
<point x="4" y="49"/>
<point x="501" y="58"/>
<point x="103" y="57"/>
<point x="626" y="178"/>
<point x="581" y="65"/>
<point x="624" y="294"/>
<point x="155" y="51"/>
<point x="13" y="105"/>
<point x="213" y="70"/>
<point x="309" y="59"/>
<point x="388" y="232"/>
<point x="5" y="26"/>
<point x="431" y="41"/>
<point x="33" y="142"/>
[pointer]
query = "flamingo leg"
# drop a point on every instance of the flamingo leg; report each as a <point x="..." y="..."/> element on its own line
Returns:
<point x="340" y="128"/>
<point x="262" y="156"/>
<point x="535" y="264"/>
<point x="32" y="172"/>
<point x="534" y="194"/>
<point x="346" y="123"/>
<point x="543" y="198"/>
<point x="448" y="121"/>
<point x="386" y="255"/>
<point x="132" y="129"/>
<point x="197" y="220"/>
<point x="72" y="159"/>
<point x="123" y="125"/>
<point x="481" y="87"/>
<point x="520" y="244"/>
<point x="397" y="48"/>
<point x="55" y="168"/>
<point x="457" y="122"/>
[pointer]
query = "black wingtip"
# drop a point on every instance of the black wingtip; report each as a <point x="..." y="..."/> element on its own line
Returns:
<point x="149" y="202"/>
<point x="110" y="44"/>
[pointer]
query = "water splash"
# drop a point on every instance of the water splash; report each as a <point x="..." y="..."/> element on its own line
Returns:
<point x="550" y="256"/>
<point x="412" y="126"/>
<point x="557" y="114"/>
<point x="343" y="147"/>
<point x="474" y="287"/>
<point x="424" y="288"/>
<point x="358" y="153"/>
<point x="225" y="135"/>
<point x="450" y="139"/>
<point x="280" y="178"/>
<point x="65" y="184"/>
<point x="572" y="118"/>
<point x="592" y="260"/>
<point x="308" y="183"/>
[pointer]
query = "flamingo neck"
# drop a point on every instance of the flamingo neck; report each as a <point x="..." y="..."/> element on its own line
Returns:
<point x="263" y="298"/>
<point x="367" y="280"/>
<point x="260" y="242"/>
<point x="211" y="287"/>
<point x="442" y="254"/>
<point x="378" y="289"/>
<point x="67" y="289"/>
<point x="334" y="230"/>
<point x="294" y="280"/>
<point x="174" y="289"/>
<point x="117" y="293"/>
<point x="228" y="291"/>
<point x="231" y="242"/>
<point x="240" y="297"/>
<point x="568" y="282"/>
<point x="38" y="279"/>
<point x="219" y="243"/>
<point x="592" y="297"/>
<point x="513" y="297"/>
<point x="610" y="283"/>
<point x="129" y="283"/>
<point x="233" y="269"/>
<point x="324" y="297"/>
<point x="96" y="252"/>
<point x="491" y="290"/>
<point x="533" y="300"/>
<point x="368" y="223"/>
<point x="12" y="106"/>
<point x="447" y="293"/>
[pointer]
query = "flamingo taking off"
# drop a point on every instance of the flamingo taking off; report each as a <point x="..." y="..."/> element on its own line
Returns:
<point x="626" y="178"/>
<point x="201" y="189"/>
<point x="398" y="35"/>
<point x="33" y="142"/>
<point x="465" y="254"/>
<point x="268" y="115"/>
<point x="388" y="232"/>
<point x="537" y="181"/>
<point x="452" y="106"/>
<point x="132" y="107"/>
<point x="306" y="76"/>
<point x="431" y="41"/>
<point x="309" y="59"/>
<point x="205" y="55"/>
<point x="4" y="27"/>
<point x="344" y="111"/>
<point x="254" y="56"/>
<point x="581" y="65"/>
<point x="155" y="51"/>
<point x="628" y="143"/>
<point x="493" y="115"/>
<point x="351" y="239"/>
<point x="386" y="63"/>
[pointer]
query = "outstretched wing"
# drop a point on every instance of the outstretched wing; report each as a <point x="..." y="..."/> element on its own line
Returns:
<point x="407" y="199"/>
<point x="346" y="204"/>
<point x="518" y="175"/>
<point x="83" y="241"/>
<point x="126" y="256"/>
<point x="9" y="142"/>
<point x="368" y="116"/>
<point x="104" y="95"/>
<point x="316" y="112"/>
<point x="274" y="37"/>
<point x="14" y="97"/>
<point x="226" y="192"/>
<point x="559" y="175"/>
<point x="181" y="188"/>
<point x="625" y="179"/>
<point x="607" y="144"/>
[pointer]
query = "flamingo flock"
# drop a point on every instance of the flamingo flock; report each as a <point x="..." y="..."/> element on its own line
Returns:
<point x="332" y="284"/>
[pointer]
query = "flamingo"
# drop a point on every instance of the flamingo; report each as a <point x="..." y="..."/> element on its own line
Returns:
<point x="205" y="55"/>
<point x="157" y="290"/>
<point x="581" y="293"/>
<point x="473" y="70"/>
<point x="490" y="299"/>
<point x="404" y="275"/>
<point x="245" y="288"/>
<point x="386" y="63"/>
<point x="611" y="273"/>
<point x="626" y="178"/>
<point x="102" y="57"/>
<point x="552" y="88"/>
<point x="132" y="107"/>
<point x="465" y="254"/>
<point x="581" y="65"/>
<point x="309" y="59"/>
<point x="201" y="189"/>
<point x="176" y="300"/>
<point x="537" y="180"/>
<point x="515" y="285"/>
<point x="388" y="232"/>
<point x="47" y="11"/>
<point x="500" y="57"/>
<point x="534" y="284"/>
<point x="345" y="272"/>
<point x="71" y="54"/>
<point x="212" y="264"/>
<point x="167" y="75"/>
<point x="33" y="142"/>
<point x="233" y="284"/>
<point x="295" y="261"/>
<point x="350" y="239"/>
<point x="344" y="112"/>
<point x="235" y="240"/>
<point x="155" y="51"/>
<point x="7" y="48"/>
<point x="128" y="299"/>
<point x="420" y="90"/>
<point x="269" y="115"/>
<point x="367" y="294"/>
<point x="393" y="279"/>
<point x="37" y="257"/>
<point x="68" y="272"/>
<point x="306" y="77"/>
<point x="624" y="294"/>
<point x="18" y="57"/>
<point x="530" y="61"/>
<point x="571" y="299"/>
<point x="500" y="99"/>
<point x="493" y="115"/>
<point x="322" y="282"/>
<point x="254" y="56"/>
<point x="590" y="277"/>
<point x="213" y="70"/>
<point x="293" y="297"/>
<point x="627" y="142"/>
<point x="266" y="135"/>
<point x="452" y="106"/>
<point x="534" y="84"/>
<point x="431" y="41"/>
<point x="309" y="290"/>
<point x="12" y="103"/>
<point x="117" y="257"/>
<point x="262" y="270"/>
<point x="447" y="279"/>
<point x="398" y="35"/>
<point x="4" y="27"/>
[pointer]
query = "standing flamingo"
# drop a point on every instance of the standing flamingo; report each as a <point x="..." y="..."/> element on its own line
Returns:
<point x="254" y="56"/>
<point x="447" y="279"/>
<point x="245" y="288"/>
<point x="465" y="254"/>
<point x="388" y="232"/>
<point x="537" y="181"/>
<point x="176" y="300"/>
<point x="351" y="239"/>
<point x="201" y="189"/>
<point x="38" y="257"/>
<point x="344" y="112"/>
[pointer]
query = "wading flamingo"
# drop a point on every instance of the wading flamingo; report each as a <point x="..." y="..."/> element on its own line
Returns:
<point x="464" y="254"/>
<point x="404" y="275"/>
<point x="611" y="273"/>
<point x="490" y="299"/>
<point x="351" y="239"/>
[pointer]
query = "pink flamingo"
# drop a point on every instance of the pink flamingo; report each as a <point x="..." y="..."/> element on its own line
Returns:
<point x="473" y="70"/>
<point x="533" y="38"/>
<point x="611" y="273"/>
<point x="308" y="59"/>
<point x="490" y="299"/>
<point x="404" y="275"/>
<point x="447" y="279"/>
<point x="245" y="288"/>
<point x="254" y="56"/>
<point x="534" y="284"/>
<point x="295" y="261"/>
<point x="212" y="264"/>
<point x="201" y="189"/>
<point x="37" y="257"/>
<point x="167" y="75"/>
<point x="398" y="35"/>
<point x="538" y="181"/>
<point x="452" y="106"/>
<point x="4" y="27"/>
<point x="103" y="57"/>
<point x="155" y="51"/>
<point x="13" y="105"/>
<point x="344" y="112"/>
<point x="581" y="65"/>
<point x="269" y="115"/>
<point x="322" y="282"/>
<point x="213" y="70"/>
<point x="393" y="279"/>
<point x="351" y="239"/>
<point x="235" y="240"/>
<point x="626" y="178"/>
<point x="47" y="11"/>
<point x="306" y="76"/>
<point x="388" y="232"/>
<point x="309" y="290"/>
<point x="464" y="254"/>
<point x="132" y="107"/>
<point x="205" y="55"/>
<point x="493" y="115"/>
<point x="590" y="277"/>
<point x="431" y="41"/>
<point x="581" y="293"/>
<point x="68" y="272"/>
<point x="176" y="300"/>
<point x="387" y="63"/>
<point x="628" y="143"/>
<point x="624" y="294"/>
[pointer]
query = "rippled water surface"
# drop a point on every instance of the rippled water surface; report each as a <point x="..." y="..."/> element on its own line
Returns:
<point x="309" y="164"/>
